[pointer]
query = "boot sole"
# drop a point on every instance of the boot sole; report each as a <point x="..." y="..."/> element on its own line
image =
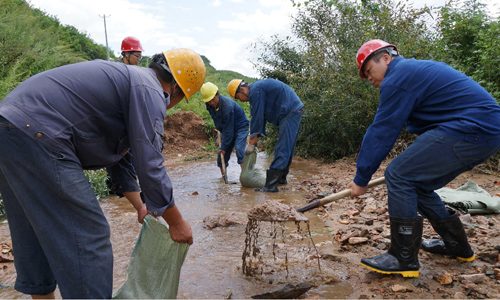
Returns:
<point x="466" y="259"/>
<point x="404" y="273"/>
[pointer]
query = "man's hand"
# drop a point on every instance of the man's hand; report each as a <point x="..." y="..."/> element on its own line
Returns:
<point x="141" y="213"/>
<point x="222" y="152"/>
<point x="181" y="232"/>
<point x="356" y="190"/>
<point x="134" y="198"/>
<point x="249" y="149"/>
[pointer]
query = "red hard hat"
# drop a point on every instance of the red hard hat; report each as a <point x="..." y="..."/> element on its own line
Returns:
<point x="131" y="43"/>
<point x="367" y="50"/>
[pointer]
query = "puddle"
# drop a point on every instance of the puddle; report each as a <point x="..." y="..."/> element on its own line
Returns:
<point x="213" y="266"/>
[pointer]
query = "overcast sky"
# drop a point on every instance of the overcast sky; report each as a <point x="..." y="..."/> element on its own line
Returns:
<point x="221" y="30"/>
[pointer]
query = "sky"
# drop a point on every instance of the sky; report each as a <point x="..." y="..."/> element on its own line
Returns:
<point x="221" y="30"/>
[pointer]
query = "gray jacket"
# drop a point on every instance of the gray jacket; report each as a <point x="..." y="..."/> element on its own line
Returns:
<point x="93" y="113"/>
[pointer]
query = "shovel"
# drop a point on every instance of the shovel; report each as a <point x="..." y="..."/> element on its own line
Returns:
<point x="222" y="159"/>
<point x="336" y="196"/>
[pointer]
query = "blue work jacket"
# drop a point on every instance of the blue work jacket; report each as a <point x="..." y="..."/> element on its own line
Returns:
<point x="424" y="95"/>
<point x="270" y="100"/>
<point x="229" y="119"/>
<point x="93" y="113"/>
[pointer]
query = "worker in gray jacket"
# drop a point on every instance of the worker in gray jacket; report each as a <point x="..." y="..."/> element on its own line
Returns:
<point x="86" y="116"/>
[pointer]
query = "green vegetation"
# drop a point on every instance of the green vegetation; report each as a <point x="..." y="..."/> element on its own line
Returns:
<point x="32" y="42"/>
<point x="318" y="61"/>
<point x="97" y="179"/>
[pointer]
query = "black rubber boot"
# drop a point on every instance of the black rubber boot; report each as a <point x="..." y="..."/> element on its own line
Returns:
<point x="454" y="239"/>
<point x="282" y="179"/>
<point x="272" y="178"/>
<point x="402" y="257"/>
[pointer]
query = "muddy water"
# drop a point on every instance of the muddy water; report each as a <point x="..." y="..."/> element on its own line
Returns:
<point x="213" y="266"/>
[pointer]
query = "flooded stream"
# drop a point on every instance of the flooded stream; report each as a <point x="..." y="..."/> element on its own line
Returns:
<point x="213" y="266"/>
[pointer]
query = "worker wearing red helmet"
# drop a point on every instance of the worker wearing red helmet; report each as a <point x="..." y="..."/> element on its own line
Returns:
<point x="458" y="123"/>
<point x="131" y="51"/>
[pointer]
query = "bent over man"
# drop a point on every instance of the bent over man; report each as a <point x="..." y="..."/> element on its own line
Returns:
<point x="458" y="123"/>
<point x="274" y="102"/>
<point x="230" y="119"/>
<point x="85" y="116"/>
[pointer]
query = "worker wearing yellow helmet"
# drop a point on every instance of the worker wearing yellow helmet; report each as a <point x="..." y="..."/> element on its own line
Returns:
<point x="274" y="102"/>
<point x="80" y="116"/>
<point x="181" y="72"/>
<point x="230" y="119"/>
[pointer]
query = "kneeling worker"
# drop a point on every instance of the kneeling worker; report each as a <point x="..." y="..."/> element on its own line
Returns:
<point x="230" y="119"/>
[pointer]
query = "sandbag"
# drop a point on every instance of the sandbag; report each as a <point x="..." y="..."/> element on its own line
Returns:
<point x="470" y="198"/>
<point x="155" y="265"/>
<point x="251" y="176"/>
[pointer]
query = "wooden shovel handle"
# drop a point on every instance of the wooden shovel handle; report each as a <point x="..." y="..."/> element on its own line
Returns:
<point x="336" y="196"/>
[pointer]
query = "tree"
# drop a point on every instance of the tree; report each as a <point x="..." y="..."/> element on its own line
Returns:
<point x="319" y="63"/>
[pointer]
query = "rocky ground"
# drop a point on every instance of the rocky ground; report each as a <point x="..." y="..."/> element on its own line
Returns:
<point x="360" y="228"/>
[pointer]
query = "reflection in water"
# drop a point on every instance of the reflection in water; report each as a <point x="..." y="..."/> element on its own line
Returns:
<point x="213" y="266"/>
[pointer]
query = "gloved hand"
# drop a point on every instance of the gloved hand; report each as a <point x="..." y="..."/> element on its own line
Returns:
<point x="249" y="149"/>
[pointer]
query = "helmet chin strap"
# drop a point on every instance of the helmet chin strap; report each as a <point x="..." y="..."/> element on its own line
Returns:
<point x="246" y="95"/>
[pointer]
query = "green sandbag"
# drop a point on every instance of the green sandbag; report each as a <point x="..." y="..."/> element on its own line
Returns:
<point x="470" y="198"/>
<point x="251" y="176"/>
<point x="155" y="266"/>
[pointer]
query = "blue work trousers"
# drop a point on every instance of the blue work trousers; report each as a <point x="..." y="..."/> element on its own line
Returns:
<point x="285" y="146"/>
<point x="239" y="143"/>
<point x="59" y="233"/>
<point x="431" y="162"/>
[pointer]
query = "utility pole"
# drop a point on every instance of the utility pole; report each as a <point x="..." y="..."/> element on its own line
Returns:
<point x="106" y="34"/>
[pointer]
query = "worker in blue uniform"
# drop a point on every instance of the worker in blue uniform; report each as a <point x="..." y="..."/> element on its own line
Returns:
<point x="230" y="120"/>
<point x="458" y="123"/>
<point x="86" y="116"/>
<point x="274" y="102"/>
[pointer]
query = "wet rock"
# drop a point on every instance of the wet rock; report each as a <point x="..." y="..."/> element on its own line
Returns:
<point x="490" y="256"/>
<point x="400" y="288"/>
<point x="370" y="207"/>
<point x="210" y="222"/>
<point x="473" y="278"/>
<point x="6" y="253"/>
<point x="459" y="295"/>
<point x="496" y="271"/>
<point x="357" y="240"/>
<point x="289" y="291"/>
<point x="444" y="279"/>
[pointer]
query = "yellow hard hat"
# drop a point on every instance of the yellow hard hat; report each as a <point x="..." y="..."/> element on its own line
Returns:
<point x="208" y="91"/>
<point x="187" y="68"/>
<point x="233" y="86"/>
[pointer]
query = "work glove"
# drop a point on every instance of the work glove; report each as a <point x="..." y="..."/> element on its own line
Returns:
<point x="249" y="149"/>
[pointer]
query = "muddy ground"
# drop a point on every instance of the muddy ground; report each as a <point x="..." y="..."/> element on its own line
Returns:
<point x="359" y="228"/>
<point x="367" y="218"/>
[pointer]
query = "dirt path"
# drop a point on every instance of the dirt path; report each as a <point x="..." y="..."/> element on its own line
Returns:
<point x="440" y="277"/>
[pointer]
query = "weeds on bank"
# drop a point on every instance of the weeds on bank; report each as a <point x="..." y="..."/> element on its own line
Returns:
<point x="97" y="179"/>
